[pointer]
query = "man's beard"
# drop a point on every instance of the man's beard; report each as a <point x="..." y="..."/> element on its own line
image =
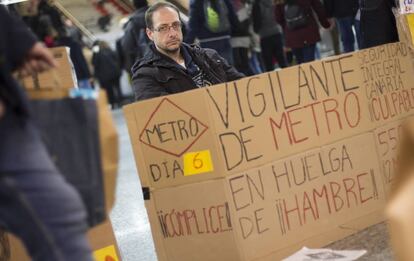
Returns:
<point x="170" y="50"/>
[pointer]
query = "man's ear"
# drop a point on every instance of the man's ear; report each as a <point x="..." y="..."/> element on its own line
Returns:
<point x="149" y="34"/>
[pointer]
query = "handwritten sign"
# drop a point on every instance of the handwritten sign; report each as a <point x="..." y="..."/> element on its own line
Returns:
<point x="406" y="6"/>
<point x="305" y="155"/>
<point x="106" y="254"/>
<point x="197" y="163"/>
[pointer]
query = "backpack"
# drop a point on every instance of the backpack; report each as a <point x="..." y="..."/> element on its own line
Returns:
<point x="296" y="16"/>
<point x="134" y="43"/>
<point x="216" y="16"/>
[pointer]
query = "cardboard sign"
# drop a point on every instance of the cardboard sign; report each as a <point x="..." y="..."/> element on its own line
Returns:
<point x="387" y="139"/>
<point x="299" y="156"/>
<point x="106" y="254"/>
<point x="406" y="6"/>
<point x="62" y="77"/>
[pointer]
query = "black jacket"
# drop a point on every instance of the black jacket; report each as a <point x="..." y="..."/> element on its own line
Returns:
<point x="157" y="75"/>
<point x="132" y="49"/>
<point x="105" y="63"/>
<point x="378" y="25"/>
<point x="15" y="41"/>
<point x="341" y="8"/>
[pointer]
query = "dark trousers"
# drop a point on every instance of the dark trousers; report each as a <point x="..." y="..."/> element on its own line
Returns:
<point x="36" y="203"/>
<point x="378" y="25"/>
<point x="241" y="61"/>
<point x="113" y="90"/>
<point x="347" y="35"/>
<point x="304" y="54"/>
<point x="223" y="47"/>
<point x="272" y="48"/>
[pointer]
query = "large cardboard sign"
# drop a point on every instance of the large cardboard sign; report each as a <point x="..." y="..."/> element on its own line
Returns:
<point x="297" y="157"/>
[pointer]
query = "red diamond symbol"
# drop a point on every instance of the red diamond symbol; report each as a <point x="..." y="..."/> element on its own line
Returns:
<point x="172" y="135"/>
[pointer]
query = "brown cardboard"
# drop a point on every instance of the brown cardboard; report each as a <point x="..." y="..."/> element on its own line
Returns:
<point x="185" y="126"/>
<point x="255" y="120"/>
<point x="280" y="202"/>
<point x="319" y="117"/>
<point x="388" y="138"/>
<point x="62" y="77"/>
<point x="240" y="218"/>
<point x="192" y="222"/>
<point x="388" y="82"/>
<point x="99" y="237"/>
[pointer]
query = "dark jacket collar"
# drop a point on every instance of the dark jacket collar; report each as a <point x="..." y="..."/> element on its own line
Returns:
<point x="155" y="58"/>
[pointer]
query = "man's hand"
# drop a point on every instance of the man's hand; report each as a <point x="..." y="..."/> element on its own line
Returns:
<point x="38" y="59"/>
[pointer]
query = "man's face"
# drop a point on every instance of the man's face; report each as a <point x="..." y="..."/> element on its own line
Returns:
<point x="166" y="34"/>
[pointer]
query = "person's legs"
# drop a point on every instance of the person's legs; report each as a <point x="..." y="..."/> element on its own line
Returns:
<point x="278" y="50"/>
<point x="59" y="207"/>
<point x="118" y="92"/>
<point x="267" y="55"/>
<point x="298" y="53"/>
<point x="84" y="84"/>
<point x="357" y="25"/>
<point x="19" y="218"/>
<point x="241" y="60"/>
<point x="50" y="205"/>
<point x="255" y="63"/>
<point x="347" y="35"/>
<point x="223" y="47"/>
<point x="309" y="53"/>
<point x="108" y="86"/>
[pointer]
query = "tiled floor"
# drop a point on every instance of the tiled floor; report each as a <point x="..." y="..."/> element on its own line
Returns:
<point x="129" y="217"/>
<point x="132" y="230"/>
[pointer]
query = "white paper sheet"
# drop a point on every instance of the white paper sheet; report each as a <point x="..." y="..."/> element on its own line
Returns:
<point x="324" y="254"/>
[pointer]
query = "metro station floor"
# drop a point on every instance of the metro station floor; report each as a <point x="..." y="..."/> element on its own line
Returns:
<point x="132" y="229"/>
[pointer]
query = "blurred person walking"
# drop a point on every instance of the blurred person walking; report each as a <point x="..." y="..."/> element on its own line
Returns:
<point x="134" y="44"/>
<point x="108" y="72"/>
<point x="300" y="26"/>
<point x="378" y="25"/>
<point x="241" y="41"/>
<point x="36" y="203"/>
<point x="271" y="37"/>
<point x="78" y="58"/>
<point x="344" y="12"/>
<point x="212" y="22"/>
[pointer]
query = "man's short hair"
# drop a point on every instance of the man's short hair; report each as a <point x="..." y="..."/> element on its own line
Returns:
<point x="158" y="5"/>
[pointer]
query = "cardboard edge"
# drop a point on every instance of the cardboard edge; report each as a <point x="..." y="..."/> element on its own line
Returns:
<point x="133" y="128"/>
<point x="355" y="226"/>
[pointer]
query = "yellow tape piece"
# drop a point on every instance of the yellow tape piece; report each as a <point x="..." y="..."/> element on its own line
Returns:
<point x="197" y="163"/>
<point x="410" y="20"/>
<point x="106" y="254"/>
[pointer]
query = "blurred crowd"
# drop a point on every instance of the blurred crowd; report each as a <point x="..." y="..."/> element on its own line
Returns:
<point x="254" y="36"/>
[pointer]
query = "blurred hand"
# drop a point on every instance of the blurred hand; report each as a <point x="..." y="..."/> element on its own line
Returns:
<point x="332" y="23"/>
<point x="38" y="59"/>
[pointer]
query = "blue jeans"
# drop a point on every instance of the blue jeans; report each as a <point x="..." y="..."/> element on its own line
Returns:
<point x="84" y="84"/>
<point x="305" y="54"/>
<point x="347" y="35"/>
<point x="36" y="203"/>
<point x="223" y="47"/>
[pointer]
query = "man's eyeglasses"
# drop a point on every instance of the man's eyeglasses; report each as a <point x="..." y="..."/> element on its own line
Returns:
<point x="166" y="28"/>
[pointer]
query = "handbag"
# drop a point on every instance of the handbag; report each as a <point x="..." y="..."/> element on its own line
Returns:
<point x="79" y="133"/>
